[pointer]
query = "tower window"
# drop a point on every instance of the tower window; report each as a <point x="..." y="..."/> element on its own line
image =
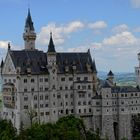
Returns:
<point x="62" y="79"/>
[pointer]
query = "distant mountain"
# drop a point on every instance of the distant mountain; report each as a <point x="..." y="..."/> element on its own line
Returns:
<point x="122" y="78"/>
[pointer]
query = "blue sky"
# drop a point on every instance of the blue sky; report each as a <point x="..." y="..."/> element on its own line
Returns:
<point x="110" y="28"/>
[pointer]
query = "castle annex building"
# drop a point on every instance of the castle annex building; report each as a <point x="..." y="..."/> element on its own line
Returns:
<point x="52" y="84"/>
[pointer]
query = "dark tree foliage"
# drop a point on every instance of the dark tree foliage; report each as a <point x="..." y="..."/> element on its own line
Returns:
<point x="66" y="128"/>
<point x="7" y="131"/>
<point x="136" y="126"/>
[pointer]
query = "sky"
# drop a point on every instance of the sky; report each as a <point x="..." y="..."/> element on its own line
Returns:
<point x="109" y="28"/>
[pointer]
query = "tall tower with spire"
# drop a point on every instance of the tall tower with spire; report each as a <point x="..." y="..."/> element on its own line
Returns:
<point x="29" y="34"/>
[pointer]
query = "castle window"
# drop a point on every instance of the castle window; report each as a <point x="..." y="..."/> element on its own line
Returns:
<point x="132" y="94"/>
<point x="46" y="89"/>
<point x="125" y="95"/>
<point x="61" y="104"/>
<point x="122" y="109"/>
<point x="54" y="95"/>
<point x="59" y="96"/>
<point x="79" y="103"/>
<point x="71" y="103"/>
<point x="107" y="103"/>
<point x="53" y="87"/>
<point x="5" y="80"/>
<point x="79" y="110"/>
<point x="47" y="113"/>
<point x="46" y="79"/>
<point x="89" y="103"/>
<point x="60" y="88"/>
<point x="97" y="103"/>
<point x="32" y="89"/>
<point x="84" y="110"/>
<point x="71" y="95"/>
<point x="89" y="109"/>
<point x="35" y="105"/>
<point x="66" y="88"/>
<point x="41" y="88"/>
<point x="41" y="105"/>
<point x="46" y="105"/>
<point x="106" y="95"/>
<point x="62" y="79"/>
<point x="66" y="96"/>
<point x="35" y="97"/>
<point x="25" y="80"/>
<point x="79" y="87"/>
<point x="122" y="102"/>
<point x="136" y="101"/>
<point x="26" y="98"/>
<point x="89" y="87"/>
<point x="70" y="78"/>
<point x="107" y="110"/>
<point x="122" y="95"/>
<point x="41" y="79"/>
<point x="53" y="103"/>
<point x="66" y="103"/>
<point x="83" y="87"/>
<point x="61" y="111"/>
<point x="136" y="94"/>
<point x="46" y="97"/>
<point x="71" y="87"/>
<point x="131" y="102"/>
<point x="41" y="97"/>
<point x="72" y="111"/>
<point x="78" y="78"/>
<point x="89" y="95"/>
<point x="84" y="103"/>
<point x="25" y="89"/>
<point x="32" y="80"/>
<point x="14" y="80"/>
<point x="42" y="113"/>
<point x="25" y="106"/>
<point x="85" y="78"/>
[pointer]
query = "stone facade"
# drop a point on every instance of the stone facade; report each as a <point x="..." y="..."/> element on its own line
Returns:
<point x="53" y="85"/>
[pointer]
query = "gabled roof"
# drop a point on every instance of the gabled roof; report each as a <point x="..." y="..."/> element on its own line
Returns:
<point x="70" y="59"/>
<point x="37" y="61"/>
<point x="29" y="22"/>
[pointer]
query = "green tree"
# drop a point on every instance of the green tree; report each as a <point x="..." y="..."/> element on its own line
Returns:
<point x="7" y="131"/>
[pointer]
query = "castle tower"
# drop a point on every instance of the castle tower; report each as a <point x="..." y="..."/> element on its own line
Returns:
<point x="52" y="68"/>
<point x="110" y="76"/>
<point x="137" y="71"/>
<point x="29" y="34"/>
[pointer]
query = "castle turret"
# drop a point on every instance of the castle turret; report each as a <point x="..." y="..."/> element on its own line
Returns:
<point x="110" y="76"/>
<point x="137" y="71"/>
<point x="29" y="34"/>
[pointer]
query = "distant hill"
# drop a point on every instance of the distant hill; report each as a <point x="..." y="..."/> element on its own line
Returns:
<point x="121" y="79"/>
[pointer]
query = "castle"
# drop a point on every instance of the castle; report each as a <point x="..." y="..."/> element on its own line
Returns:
<point x="44" y="86"/>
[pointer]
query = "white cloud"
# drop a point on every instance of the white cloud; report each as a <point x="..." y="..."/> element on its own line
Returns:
<point x="120" y="28"/>
<point x="4" y="44"/>
<point x="137" y="29"/>
<point x="60" y="32"/>
<point x="97" y="25"/>
<point x="121" y="39"/>
<point x="135" y="3"/>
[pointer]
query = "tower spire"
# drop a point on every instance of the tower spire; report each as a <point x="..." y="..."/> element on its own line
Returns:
<point x="29" y="34"/>
<point x="51" y="47"/>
